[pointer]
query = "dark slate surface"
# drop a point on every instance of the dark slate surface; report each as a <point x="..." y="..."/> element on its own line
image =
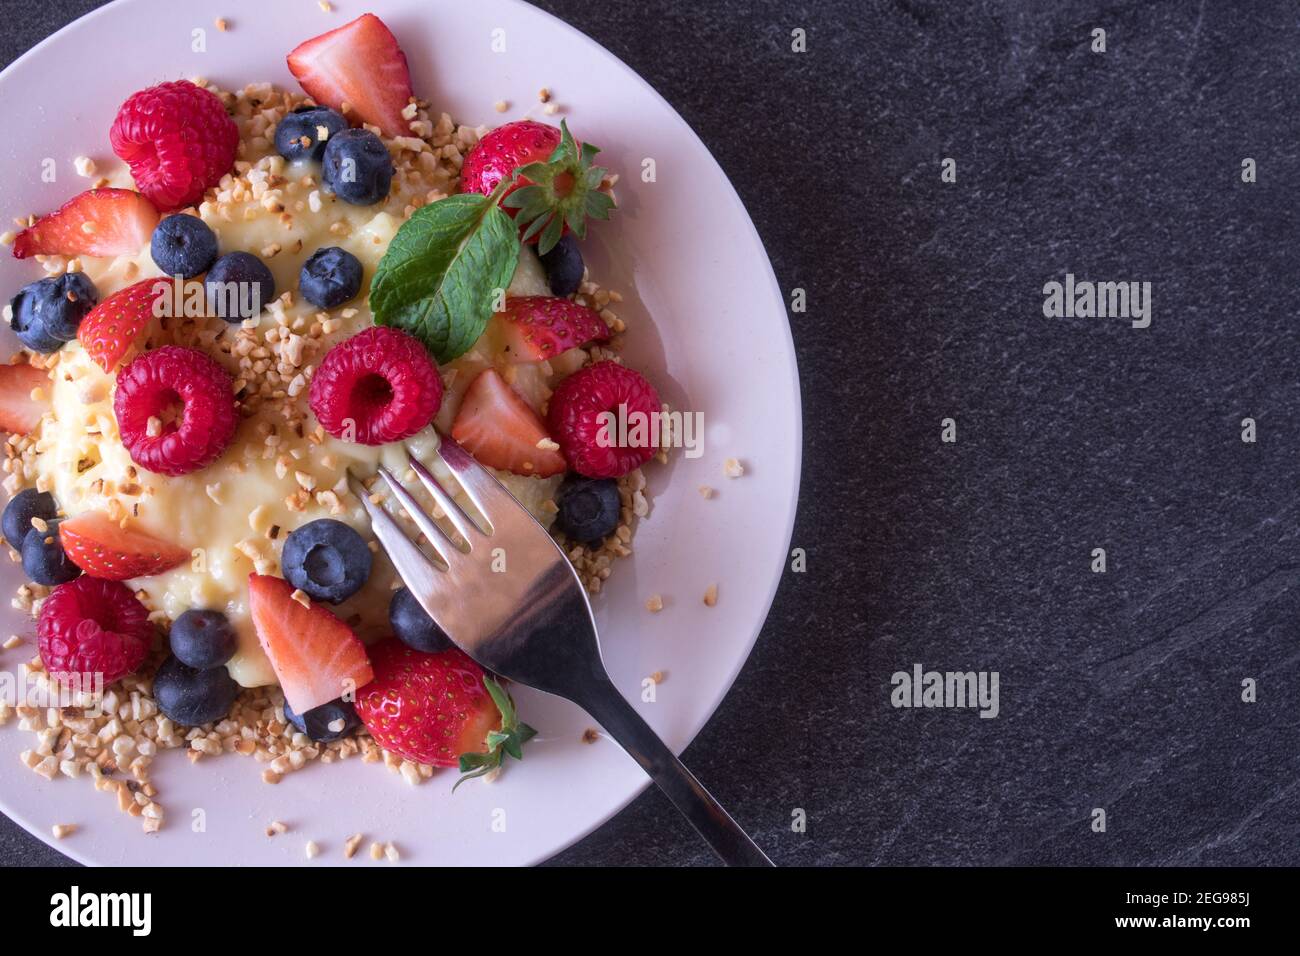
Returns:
<point x="1119" y="690"/>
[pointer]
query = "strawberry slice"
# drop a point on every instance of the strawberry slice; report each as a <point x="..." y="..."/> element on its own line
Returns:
<point x="534" y="328"/>
<point x="315" y="656"/>
<point x="499" y="428"/>
<point x="19" y="412"/>
<point x="99" y="222"/>
<point x="99" y="546"/>
<point x="113" y="326"/>
<point x="359" y="64"/>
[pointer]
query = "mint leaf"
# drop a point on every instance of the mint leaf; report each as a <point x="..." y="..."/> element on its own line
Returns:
<point x="440" y="274"/>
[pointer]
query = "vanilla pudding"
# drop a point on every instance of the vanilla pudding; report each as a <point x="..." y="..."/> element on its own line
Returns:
<point x="282" y="470"/>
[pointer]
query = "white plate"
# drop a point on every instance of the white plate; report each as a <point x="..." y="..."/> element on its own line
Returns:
<point x="708" y="326"/>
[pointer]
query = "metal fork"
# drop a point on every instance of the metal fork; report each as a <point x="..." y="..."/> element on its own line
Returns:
<point x="532" y="622"/>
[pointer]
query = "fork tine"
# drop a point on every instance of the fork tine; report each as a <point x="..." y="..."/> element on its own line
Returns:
<point x="400" y="548"/>
<point x="437" y="538"/>
<point x="464" y="524"/>
<point x="480" y="487"/>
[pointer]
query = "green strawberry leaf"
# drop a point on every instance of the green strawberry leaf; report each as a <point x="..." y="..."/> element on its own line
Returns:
<point x="508" y="740"/>
<point x="563" y="190"/>
<point x="442" y="270"/>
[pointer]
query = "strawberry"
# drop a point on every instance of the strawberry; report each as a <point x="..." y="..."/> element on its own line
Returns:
<point x="359" y="64"/>
<point x="545" y="177"/>
<point x="498" y="428"/>
<point x="498" y="154"/>
<point x="315" y="656"/>
<point x="440" y="709"/>
<point x="113" y="326"/>
<point x="535" y="328"/>
<point x="99" y="222"/>
<point x="19" y="412"/>
<point x="99" y="546"/>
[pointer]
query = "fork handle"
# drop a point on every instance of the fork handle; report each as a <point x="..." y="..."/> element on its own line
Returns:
<point x="621" y="721"/>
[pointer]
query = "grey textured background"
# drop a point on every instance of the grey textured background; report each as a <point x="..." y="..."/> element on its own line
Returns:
<point x="1119" y="690"/>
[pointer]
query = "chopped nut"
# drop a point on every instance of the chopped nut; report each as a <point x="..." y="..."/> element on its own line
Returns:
<point x="311" y="849"/>
<point x="732" y="468"/>
<point x="61" y="830"/>
<point x="654" y="604"/>
<point x="590" y="735"/>
<point x="711" y="595"/>
<point x="275" y="828"/>
<point x="350" y="847"/>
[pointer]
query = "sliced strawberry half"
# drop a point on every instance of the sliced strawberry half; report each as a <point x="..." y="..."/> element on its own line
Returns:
<point x="99" y="222"/>
<point x="359" y="64"/>
<point x="99" y="546"/>
<point x="114" y="325"/>
<point x="535" y="328"/>
<point x="20" y="413"/>
<point x="499" y="428"/>
<point x="315" y="656"/>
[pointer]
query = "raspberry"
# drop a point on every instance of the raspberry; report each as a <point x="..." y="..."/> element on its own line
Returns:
<point x="178" y="140"/>
<point x="154" y="383"/>
<point x="93" y="626"/>
<point x="377" y="387"/>
<point x="577" y="420"/>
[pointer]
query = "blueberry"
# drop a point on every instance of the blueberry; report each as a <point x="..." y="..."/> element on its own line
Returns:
<point x="44" y="560"/>
<point x="193" y="697"/>
<point x="20" y="511"/>
<point x="327" y="559"/>
<point x="298" y="136"/>
<point x="589" y="508"/>
<point x="327" y="722"/>
<point x="46" y="314"/>
<point x="357" y="167"/>
<point x="330" y="277"/>
<point x="239" y="286"/>
<point x="413" y="627"/>
<point x="563" y="265"/>
<point x="183" y="246"/>
<point x="203" y="639"/>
